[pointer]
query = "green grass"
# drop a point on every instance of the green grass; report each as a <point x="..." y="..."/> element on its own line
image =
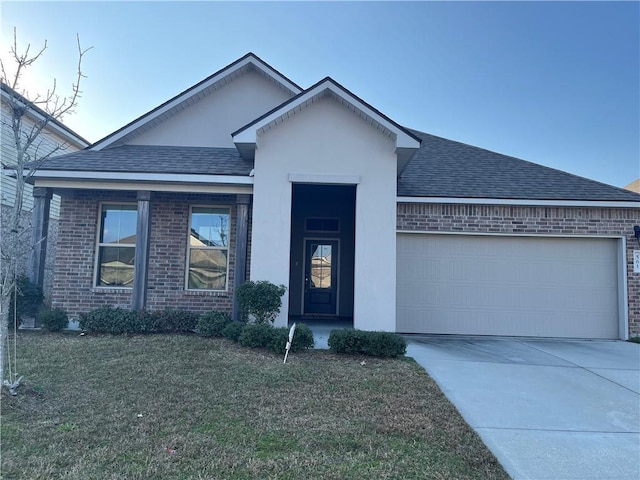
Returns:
<point x="185" y="407"/>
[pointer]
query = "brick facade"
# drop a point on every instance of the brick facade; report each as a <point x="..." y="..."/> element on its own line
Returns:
<point x="73" y="287"/>
<point x="523" y="220"/>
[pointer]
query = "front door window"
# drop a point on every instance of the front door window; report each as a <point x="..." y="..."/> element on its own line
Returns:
<point x="320" y="266"/>
<point x="320" y="277"/>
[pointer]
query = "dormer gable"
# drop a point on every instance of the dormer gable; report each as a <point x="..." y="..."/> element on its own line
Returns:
<point x="406" y="143"/>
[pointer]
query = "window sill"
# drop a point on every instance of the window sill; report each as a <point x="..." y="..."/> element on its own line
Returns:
<point x="111" y="289"/>
<point x="206" y="293"/>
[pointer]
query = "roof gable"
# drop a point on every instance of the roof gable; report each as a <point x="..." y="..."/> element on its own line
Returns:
<point x="248" y="63"/>
<point x="406" y="142"/>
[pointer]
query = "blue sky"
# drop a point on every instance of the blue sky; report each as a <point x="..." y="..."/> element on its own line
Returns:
<point x="556" y="83"/>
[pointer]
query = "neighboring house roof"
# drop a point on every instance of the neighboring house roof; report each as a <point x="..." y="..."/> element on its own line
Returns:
<point x="8" y="94"/>
<point x="53" y="136"/>
<point x="634" y="186"/>
<point x="445" y="168"/>
<point x="192" y="94"/>
<point x="154" y="159"/>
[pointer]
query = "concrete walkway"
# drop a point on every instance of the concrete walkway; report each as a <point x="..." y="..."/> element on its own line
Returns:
<point x="548" y="409"/>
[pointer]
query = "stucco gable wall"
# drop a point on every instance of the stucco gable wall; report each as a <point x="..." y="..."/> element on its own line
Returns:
<point x="209" y="121"/>
<point x="327" y="139"/>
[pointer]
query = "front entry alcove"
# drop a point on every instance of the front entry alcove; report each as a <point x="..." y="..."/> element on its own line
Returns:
<point x="322" y="253"/>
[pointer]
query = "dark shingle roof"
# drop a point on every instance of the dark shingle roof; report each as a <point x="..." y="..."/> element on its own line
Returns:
<point x="154" y="159"/>
<point x="440" y="168"/>
<point x="444" y="168"/>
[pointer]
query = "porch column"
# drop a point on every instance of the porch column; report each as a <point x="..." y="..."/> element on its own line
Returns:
<point x="39" y="232"/>
<point x="242" y="234"/>
<point x="141" y="262"/>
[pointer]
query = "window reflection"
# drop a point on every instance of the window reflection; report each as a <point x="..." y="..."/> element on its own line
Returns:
<point x="116" y="246"/>
<point x="320" y="266"/>
<point x="208" y="248"/>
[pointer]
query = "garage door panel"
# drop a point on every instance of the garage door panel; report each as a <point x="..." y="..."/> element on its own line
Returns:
<point x="486" y="285"/>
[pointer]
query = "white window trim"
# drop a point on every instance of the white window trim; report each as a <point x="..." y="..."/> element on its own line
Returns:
<point x="227" y="248"/>
<point x="98" y="245"/>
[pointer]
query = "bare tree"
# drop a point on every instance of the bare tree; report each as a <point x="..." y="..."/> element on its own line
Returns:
<point x="27" y="121"/>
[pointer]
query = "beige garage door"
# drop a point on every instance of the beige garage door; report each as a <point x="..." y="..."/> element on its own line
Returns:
<point x="514" y="286"/>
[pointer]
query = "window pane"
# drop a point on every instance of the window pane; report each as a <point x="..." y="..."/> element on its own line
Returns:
<point x="323" y="225"/>
<point x="209" y="227"/>
<point x="320" y="266"/>
<point x="115" y="266"/>
<point x="119" y="224"/>
<point x="208" y="269"/>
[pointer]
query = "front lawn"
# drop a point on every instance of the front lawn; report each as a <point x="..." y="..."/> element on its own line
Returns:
<point x="186" y="407"/>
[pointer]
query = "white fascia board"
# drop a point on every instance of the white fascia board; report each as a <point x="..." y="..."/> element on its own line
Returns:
<point x="146" y="177"/>
<point x="403" y="140"/>
<point x="190" y="93"/>
<point x="518" y="201"/>
<point x="80" y="184"/>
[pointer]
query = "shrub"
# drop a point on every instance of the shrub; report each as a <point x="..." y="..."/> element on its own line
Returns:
<point x="116" y="320"/>
<point x="27" y="302"/>
<point x="260" y="301"/>
<point x="119" y="320"/>
<point x="173" y="321"/>
<point x="634" y="339"/>
<point x="256" y="335"/>
<point x="360" y="342"/>
<point x="302" y="339"/>
<point x="213" y="323"/>
<point x="53" y="319"/>
<point x="233" y="331"/>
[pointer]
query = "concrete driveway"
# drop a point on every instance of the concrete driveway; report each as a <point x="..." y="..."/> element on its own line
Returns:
<point x="548" y="409"/>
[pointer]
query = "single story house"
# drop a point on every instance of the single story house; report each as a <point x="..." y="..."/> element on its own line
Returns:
<point x="248" y="175"/>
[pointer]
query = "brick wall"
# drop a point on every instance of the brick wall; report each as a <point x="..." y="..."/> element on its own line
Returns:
<point x="73" y="287"/>
<point x="520" y="220"/>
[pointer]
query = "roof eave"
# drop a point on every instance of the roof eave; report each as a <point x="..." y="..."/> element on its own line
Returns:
<point x="108" y="176"/>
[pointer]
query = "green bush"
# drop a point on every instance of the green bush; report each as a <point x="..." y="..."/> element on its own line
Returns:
<point x="302" y="339"/>
<point x="233" y="331"/>
<point x="117" y="320"/>
<point x="173" y="321"/>
<point x="260" y="301"/>
<point x="361" y="342"/>
<point x="53" y="319"/>
<point x="213" y="323"/>
<point x="28" y="300"/>
<point x="256" y="335"/>
<point x="114" y="320"/>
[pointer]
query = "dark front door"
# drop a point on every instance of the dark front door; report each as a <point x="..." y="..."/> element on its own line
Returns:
<point x="321" y="277"/>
